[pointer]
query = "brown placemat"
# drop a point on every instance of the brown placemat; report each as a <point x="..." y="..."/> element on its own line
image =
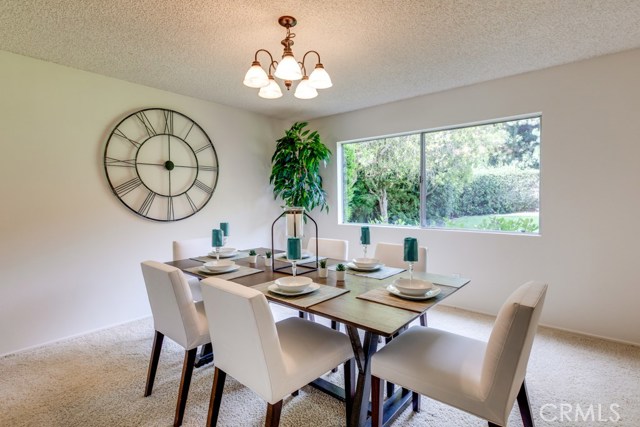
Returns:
<point x="241" y="272"/>
<point x="303" y="301"/>
<point x="382" y="296"/>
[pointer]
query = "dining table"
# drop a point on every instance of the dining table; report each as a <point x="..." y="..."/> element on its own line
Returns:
<point x="362" y="303"/>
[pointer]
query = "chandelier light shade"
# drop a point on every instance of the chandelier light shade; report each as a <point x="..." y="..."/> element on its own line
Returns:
<point x="256" y="77"/>
<point x="271" y="90"/>
<point x="288" y="69"/>
<point x="305" y="90"/>
<point x="319" y="78"/>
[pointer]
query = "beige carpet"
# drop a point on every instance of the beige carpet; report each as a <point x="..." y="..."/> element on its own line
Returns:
<point x="98" y="380"/>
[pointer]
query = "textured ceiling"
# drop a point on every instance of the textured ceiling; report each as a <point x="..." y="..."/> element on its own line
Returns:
<point x="376" y="51"/>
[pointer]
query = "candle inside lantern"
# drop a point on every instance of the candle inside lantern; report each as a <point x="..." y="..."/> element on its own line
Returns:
<point x="224" y="226"/>
<point x="365" y="236"/>
<point x="217" y="238"/>
<point x="294" y="248"/>
<point x="294" y="224"/>
<point x="410" y="249"/>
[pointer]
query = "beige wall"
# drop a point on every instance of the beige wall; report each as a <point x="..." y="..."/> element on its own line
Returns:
<point x="590" y="182"/>
<point x="70" y="250"/>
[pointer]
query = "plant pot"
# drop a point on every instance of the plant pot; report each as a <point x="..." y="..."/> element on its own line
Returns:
<point x="323" y="272"/>
<point x="253" y="259"/>
<point x="267" y="263"/>
<point x="340" y="276"/>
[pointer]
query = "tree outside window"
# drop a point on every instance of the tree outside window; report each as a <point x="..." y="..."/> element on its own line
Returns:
<point x="484" y="177"/>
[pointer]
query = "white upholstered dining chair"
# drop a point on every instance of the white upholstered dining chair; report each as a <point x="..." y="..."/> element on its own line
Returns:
<point x="178" y="317"/>
<point x="272" y="359"/>
<point x="190" y="248"/>
<point x="330" y="248"/>
<point x="481" y="378"/>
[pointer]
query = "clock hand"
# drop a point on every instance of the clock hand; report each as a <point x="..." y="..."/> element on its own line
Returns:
<point x="152" y="164"/>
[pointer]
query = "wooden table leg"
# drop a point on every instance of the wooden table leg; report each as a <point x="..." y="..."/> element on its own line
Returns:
<point x="363" y="353"/>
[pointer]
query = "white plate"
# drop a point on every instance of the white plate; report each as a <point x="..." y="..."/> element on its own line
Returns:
<point x="293" y="283"/>
<point x="413" y="287"/>
<point x="365" y="262"/>
<point x="282" y="256"/>
<point x="221" y="265"/>
<point x="354" y="267"/>
<point x="432" y="293"/>
<point x="225" y="252"/>
<point x="205" y="270"/>
<point x="276" y="290"/>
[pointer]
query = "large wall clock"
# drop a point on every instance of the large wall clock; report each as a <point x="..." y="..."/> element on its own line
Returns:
<point x="161" y="164"/>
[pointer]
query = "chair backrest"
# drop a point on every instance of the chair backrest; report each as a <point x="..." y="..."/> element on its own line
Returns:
<point x="174" y="312"/>
<point x="509" y="347"/>
<point x="331" y="248"/>
<point x="244" y="336"/>
<point x="392" y="255"/>
<point x="183" y="249"/>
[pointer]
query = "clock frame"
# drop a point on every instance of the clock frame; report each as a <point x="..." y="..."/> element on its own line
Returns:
<point x="161" y="164"/>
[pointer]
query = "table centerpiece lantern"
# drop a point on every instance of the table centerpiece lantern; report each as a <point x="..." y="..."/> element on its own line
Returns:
<point x="295" y="219"/>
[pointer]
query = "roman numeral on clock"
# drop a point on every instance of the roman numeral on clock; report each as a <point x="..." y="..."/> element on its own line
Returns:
<point x="127" y="187"/>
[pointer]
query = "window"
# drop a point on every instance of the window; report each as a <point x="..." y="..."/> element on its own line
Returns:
<point x="484" y="177"/>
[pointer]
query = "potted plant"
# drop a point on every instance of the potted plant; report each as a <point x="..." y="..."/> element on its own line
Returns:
<point x="295" y="168"/>
<point x="253" y="256"/>
<point x="340" y="272"/>
<point x="323" y="272"/>
<point x="267" y="259"/>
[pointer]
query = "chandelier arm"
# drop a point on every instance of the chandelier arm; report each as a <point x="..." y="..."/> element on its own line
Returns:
<point x="304" y="69"/>
<point x="311" y="51"/>
<point x="255" y="58"/>
<point x="274" y="65"/>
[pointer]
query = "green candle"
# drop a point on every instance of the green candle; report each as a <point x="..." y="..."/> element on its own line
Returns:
<point x="294" y="248"/>
<point x="216" y="238"/>
<point x="365" y="236"/>
<point x="224" y="226"/>
<point x="410" y="249"/>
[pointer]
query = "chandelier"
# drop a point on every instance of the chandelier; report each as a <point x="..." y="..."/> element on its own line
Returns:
<point x="288" y="69"/>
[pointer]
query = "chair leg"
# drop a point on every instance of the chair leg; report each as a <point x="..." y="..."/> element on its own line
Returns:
<point x="390" y="385"/>
<point x="273" y="414"/>
<point x="336" y="327"/>
<point x="158" y="338"/>
<point x="525" y="406"/>
<point x="376" y="401"/>
<point x="305" y="315"/>
<point x="415" y="399"/>
<point x="349" y="385"/>
<point x="185" y="382"/>
<point x="219" y="376"/>
<point x="423" y="319"/>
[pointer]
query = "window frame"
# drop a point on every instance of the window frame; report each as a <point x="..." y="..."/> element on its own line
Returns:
<point x="341" y="190"/>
